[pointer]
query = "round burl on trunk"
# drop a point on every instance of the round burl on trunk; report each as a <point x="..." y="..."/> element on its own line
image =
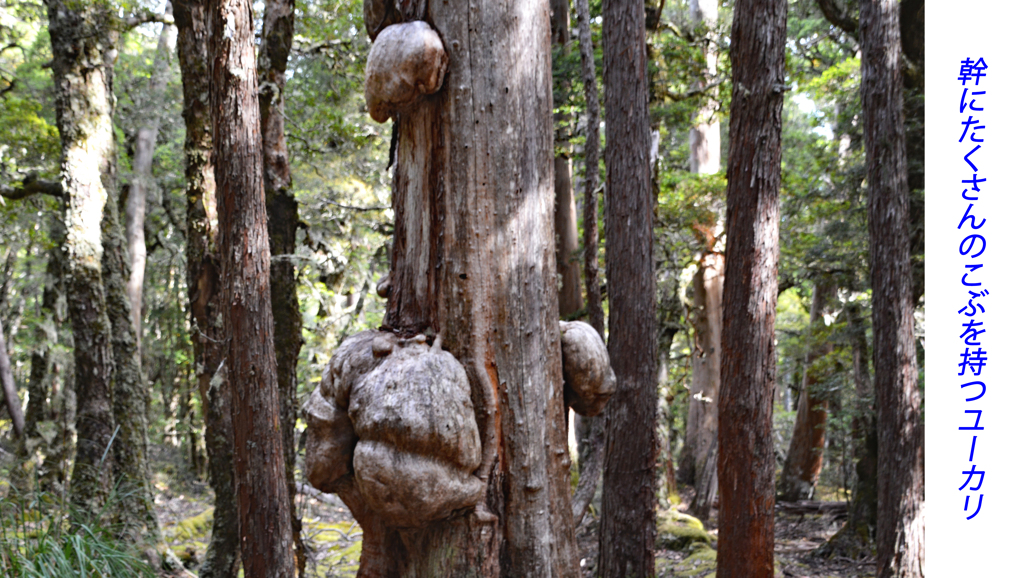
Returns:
<point x="397" y="415"/>
<point x="419" y="443"/>
<point x="586" y="368"/>
<point x="406" y="62"/>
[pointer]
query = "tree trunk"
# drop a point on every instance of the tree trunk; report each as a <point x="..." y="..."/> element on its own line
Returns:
<point x="84" y="43"/>
<point x="857" y="535"/>
<point x="42" y="367"/>
<point x="702" y="417"/>
<point x="221" y="559"/>
<point x="630" y="480"/>
<point x="900" y="439"/>
<point x="590" y="430"/>
<point x="264" y="520"/>
<point x="10" y="389"/>
<point x="746" y="463"/>
<point x="135" y="207"/>
<point x="129" y="395"/>
<point x="283" y="213"/>
<point x="706" y="134"/>
<point x="806" y="449"/>
<point x="570" y="297"/>
<point x="473" y="261"/>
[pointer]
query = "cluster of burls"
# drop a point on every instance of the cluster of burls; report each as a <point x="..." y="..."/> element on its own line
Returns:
<point x="397" y="415"/>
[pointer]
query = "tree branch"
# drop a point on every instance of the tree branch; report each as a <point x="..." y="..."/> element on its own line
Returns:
<point x="676" y="97"/>
<point x="146" y="16"/>
<point x="838" y="17"/>
<point x="31" y="185"/>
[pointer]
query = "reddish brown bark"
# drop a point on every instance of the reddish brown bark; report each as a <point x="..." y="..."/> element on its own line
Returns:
<point x="630" y="479"/>
<point x="746" y="464"/>
<point x="900" y="439"/>
<point x="221" y="560"/>
<point x="283" y="211"/>
<point x="473" y="260"/>
<point x="263" y="510"/>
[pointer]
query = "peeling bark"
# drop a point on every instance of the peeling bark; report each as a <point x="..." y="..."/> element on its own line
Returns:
<point x="283" y="222"/>
<point x="221" y="560"/>
<point x="702" y="417"/>
<point x="746" y="462"/>
<point x="264" y="521"/>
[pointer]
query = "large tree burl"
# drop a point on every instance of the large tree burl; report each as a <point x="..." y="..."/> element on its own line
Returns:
<point x="407" y="61"/>
<point x="586" y="368"/>
<point x="397" y="415"/>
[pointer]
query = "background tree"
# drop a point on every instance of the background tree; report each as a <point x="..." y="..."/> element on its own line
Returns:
<point x="630" y="477"/>
<point x="283" y="211"/>
<point x="746" y="469"/>
<point x="264" y="520"/>
<point x="900" y="439"/>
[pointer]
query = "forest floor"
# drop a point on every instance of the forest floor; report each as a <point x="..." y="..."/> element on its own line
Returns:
<point x="333" y="539"/>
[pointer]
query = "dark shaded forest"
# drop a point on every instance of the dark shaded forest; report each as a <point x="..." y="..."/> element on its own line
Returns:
<point x="406" y="288"/>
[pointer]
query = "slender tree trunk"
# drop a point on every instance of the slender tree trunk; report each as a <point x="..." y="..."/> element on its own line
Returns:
<point x="900" y="439"/>
<point x="706" y="134"/>
<point x="10" y="389"/>
<point x="590" y="430"/>
<point x="190" y="16"/>
<point x="283" y="214"/>
<point x="807" y="446"/>
<point x="702" y="418"/>
<point x="145" y="146"/>
<point x="857" y="535"/>
<point x="264" y="519"/>
<point x="746" y="462"/>
<point x="630" y="479"/>
<point x="570" y="297"/>
<point x="84" y="43"/>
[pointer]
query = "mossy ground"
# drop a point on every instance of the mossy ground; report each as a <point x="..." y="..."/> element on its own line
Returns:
<point x="687" y="548"/>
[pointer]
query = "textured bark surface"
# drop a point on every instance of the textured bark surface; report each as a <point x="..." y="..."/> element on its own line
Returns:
<point x="221" y="560"/>
<point x="702" y="417"/>
<point x="746" y="462"/>
<point x="807" y="446"/>
<point x="129" y="394"/>
<point x="142" y="169"/>
<point x="283" y="215"/>
<point x="473" y="260"/>
<point x="264" y="520"/>
<point x="900" y="435"/>
<point x="84" y="42"/>
<point x="627" y="529"/>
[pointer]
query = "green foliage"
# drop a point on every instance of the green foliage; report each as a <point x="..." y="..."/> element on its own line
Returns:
<point x="60" y="543"/>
